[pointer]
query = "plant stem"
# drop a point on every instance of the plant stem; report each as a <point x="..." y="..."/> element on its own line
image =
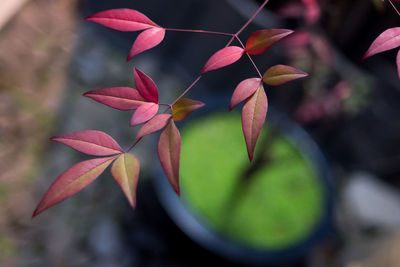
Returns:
<point x="132" y="146"/>
<point x="200" y="31"/>
<point x="233" y="37"/>
<point x="248" y="22"/>
<point x="251" y="60"/>
<point x="394" y="7"/>
<point x="185" y="92"/>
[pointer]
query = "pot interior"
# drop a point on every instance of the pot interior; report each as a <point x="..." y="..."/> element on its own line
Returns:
<point x="273" y="203"/>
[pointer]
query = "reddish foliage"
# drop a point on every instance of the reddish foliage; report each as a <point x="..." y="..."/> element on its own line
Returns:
<point x="145" y="101"/>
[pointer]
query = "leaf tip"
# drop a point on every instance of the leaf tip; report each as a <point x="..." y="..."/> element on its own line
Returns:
<point x="35" y="213"/>
<point x="250" y="157"/>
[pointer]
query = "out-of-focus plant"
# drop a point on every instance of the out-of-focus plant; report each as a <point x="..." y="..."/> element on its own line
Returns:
<point x="145" y="101"/>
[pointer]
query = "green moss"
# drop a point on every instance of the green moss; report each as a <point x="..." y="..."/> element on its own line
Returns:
<point x="277" y="206"/>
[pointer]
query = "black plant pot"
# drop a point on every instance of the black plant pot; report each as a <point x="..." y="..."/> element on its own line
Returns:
<point x="201" y="231"/>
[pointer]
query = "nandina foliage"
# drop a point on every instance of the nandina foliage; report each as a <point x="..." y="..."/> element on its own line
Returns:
<point x="389" y="39"/>
<point x="144" y="100"/>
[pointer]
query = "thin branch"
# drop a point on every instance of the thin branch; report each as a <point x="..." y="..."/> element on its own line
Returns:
<point x="252" y="17"/>
<point x="200" y="31"/>
<point x="187" y="90"/>
<point x="233" y="37"/>
<point x="248" y="55"/>
<point x="132" y="146"/>
<point x="248" y="22"/>
<point x="394" y="7"/>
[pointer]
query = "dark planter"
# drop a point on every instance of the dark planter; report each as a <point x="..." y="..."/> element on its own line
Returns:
<point x="205" y="234"/>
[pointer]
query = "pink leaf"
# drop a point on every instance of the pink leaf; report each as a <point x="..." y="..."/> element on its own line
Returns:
<point x="72" y="181"/>
<point x="222" y="58"/>
<point x="398" y="63"/>
<point x="183" y="107"/>
<point x="146" y="40"/>
<point x="244" y="90"/>
<point x="90" y="142"/>
<point x="156" y="123"/>
<point x="144" y="113"/>
<point x="122" y="98"/>
<point x="125" y="171"/>
<point x="387" y="40"/>
<point x="261" y="40"/>
<point x="253" y="117"/>
<point x="122" y="20"/>
<point x="281" y="74"/>
<point x="146" y="86"/>
<point x="169" y="150"/>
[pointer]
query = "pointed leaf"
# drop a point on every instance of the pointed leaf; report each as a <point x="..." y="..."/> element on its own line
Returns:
<point x="281" y="74"/>
<point x="156" y="123"/>
<point x="398" y="63"/>
<point x="146" y="40"/>
<point x="146" y="86"/>
<point x="183" y="107"/>
<point x="125" y="171"/>
<point x="387" y="40"/>
<point x="253" y="117"/>
<point x="261" y="40"/>
<point x="222" y="58"/>
<point x="244" y="90"/>
<point x="169" y="150"/>
<point x="144" y="113"/>
<point x="72" y="181"/>
<point x="90" y="142"/>
<point x="122" y="98"/>
<point x="122" y="20"/>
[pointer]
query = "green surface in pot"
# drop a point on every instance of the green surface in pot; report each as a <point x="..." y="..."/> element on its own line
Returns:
<point x="272" y="203"/>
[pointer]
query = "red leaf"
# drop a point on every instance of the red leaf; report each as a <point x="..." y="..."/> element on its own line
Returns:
<point x="144" y="113"/>
<point x="72" y="181"/>
<point x="125" y="171"/>
<point x="398" y="63"/>
<point x="146" y="40"/>
<point x="169" y="150"/>
<point x="122" y="98"/>
<point x="261" y="40"/>
<point x="183" y="107"/>
<point x="90" y="142"/>
<point x="253" y="117"/>
<point x="244" y="90"/>
<point x="146" y="86"/>
<point x="281" y="74"/>
<point x="387" y="40"/>
<point x="222" y="58"/>
<point x="156" y="123"/>
<point x="122" y="20"/>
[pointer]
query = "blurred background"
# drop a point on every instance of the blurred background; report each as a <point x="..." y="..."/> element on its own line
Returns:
<point x="348" y="107"/>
